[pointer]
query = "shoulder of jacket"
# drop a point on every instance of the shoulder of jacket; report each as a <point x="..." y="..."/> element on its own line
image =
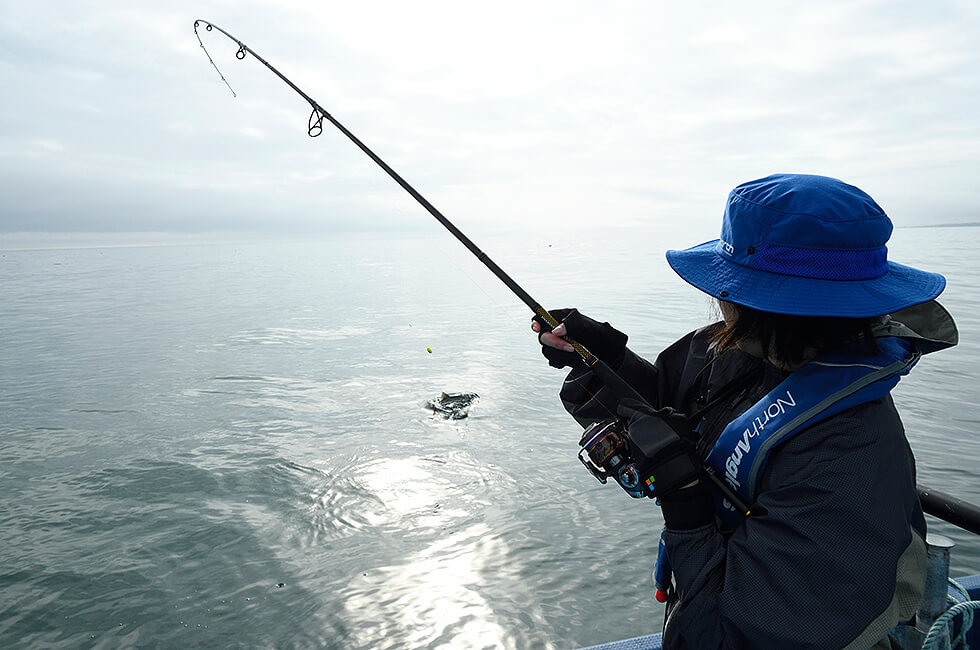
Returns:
<point x="857" y="438"/>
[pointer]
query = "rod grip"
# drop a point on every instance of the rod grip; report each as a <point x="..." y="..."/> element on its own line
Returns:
<point x="582" y="351"/>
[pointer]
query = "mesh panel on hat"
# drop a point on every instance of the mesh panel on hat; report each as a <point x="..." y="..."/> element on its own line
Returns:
<point x="822" y="264"/>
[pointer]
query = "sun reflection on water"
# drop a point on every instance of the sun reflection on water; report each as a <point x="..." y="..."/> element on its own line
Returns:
<point x="432" y="597"/>
<point x="433" y="600"/>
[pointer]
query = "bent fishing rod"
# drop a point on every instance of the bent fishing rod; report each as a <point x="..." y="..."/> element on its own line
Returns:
<point x="958" y="512"/>
<point x="607" y="375"/>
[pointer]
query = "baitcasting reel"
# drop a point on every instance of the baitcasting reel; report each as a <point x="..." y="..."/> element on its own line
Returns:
<point x="608" y="452"/>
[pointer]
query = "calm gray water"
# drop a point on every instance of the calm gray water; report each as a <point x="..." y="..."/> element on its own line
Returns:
<point x="225" y="445"/>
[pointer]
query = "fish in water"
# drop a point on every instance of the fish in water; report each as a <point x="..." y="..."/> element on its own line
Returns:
<point x="453" y="406"/>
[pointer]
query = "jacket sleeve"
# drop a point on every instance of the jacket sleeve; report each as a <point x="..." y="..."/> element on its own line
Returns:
<point x="588" y="400"/>
<point x="828" y="557"/>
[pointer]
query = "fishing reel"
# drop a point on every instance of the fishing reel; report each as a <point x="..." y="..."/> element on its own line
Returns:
<point x="607" y="452"/>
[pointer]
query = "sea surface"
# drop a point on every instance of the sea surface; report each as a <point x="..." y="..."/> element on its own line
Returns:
<point x="227" y="445"/>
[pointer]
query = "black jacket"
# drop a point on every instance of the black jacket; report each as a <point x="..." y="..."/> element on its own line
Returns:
<point x="833" y="555"/>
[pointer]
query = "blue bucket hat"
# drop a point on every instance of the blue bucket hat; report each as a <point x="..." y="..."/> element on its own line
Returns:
<point x="805" y="245"/>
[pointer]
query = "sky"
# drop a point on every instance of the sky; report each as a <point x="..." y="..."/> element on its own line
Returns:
<point x="508" y="116"/>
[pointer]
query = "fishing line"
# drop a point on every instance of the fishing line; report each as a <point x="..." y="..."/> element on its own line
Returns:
<point x="208" y="54"/>
<point x="603" y="372"/>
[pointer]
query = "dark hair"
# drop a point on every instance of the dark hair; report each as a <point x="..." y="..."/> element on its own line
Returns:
<point x="791" y="340"/>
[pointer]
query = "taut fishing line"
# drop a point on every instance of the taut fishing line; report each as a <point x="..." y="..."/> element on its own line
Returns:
<point x="605" y="374"/>
<point x="208" y="54"/>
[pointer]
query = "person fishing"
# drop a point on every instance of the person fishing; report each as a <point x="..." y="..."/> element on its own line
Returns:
<point x="786" y="398"/>
<point x="768" y="439"/>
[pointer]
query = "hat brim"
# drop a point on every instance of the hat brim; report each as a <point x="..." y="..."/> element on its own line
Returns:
<point x="902" y="286"/>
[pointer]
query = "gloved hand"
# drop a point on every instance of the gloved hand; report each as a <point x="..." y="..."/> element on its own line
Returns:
<point x="601" y="339"/>
<point x="661" y="439"/>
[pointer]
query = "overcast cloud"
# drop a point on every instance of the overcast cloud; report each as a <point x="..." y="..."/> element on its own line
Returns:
<point x="505" y="115"/>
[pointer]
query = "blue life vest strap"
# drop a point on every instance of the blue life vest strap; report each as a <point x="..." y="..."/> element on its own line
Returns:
<point x="823" y="387"/>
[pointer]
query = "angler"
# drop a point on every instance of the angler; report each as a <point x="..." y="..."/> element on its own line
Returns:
<point x="788" y="397"/>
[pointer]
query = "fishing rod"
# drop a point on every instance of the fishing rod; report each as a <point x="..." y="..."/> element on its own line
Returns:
<point x="938" y="504"/>
<point x="607" y="375"/>
<point x="315" y="128"/>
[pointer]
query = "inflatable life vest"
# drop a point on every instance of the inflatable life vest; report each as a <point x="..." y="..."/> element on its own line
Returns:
<point x="821" y="388"/>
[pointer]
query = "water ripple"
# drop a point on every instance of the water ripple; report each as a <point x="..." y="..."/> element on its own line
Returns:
<point x="200" y="450"/>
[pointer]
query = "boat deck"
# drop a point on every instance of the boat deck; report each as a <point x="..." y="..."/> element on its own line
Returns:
<point x="655" y="642"/>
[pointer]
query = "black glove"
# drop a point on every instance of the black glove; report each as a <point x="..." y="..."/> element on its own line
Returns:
<point x="601" y="339"/>
<point x="660" y="439"/>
